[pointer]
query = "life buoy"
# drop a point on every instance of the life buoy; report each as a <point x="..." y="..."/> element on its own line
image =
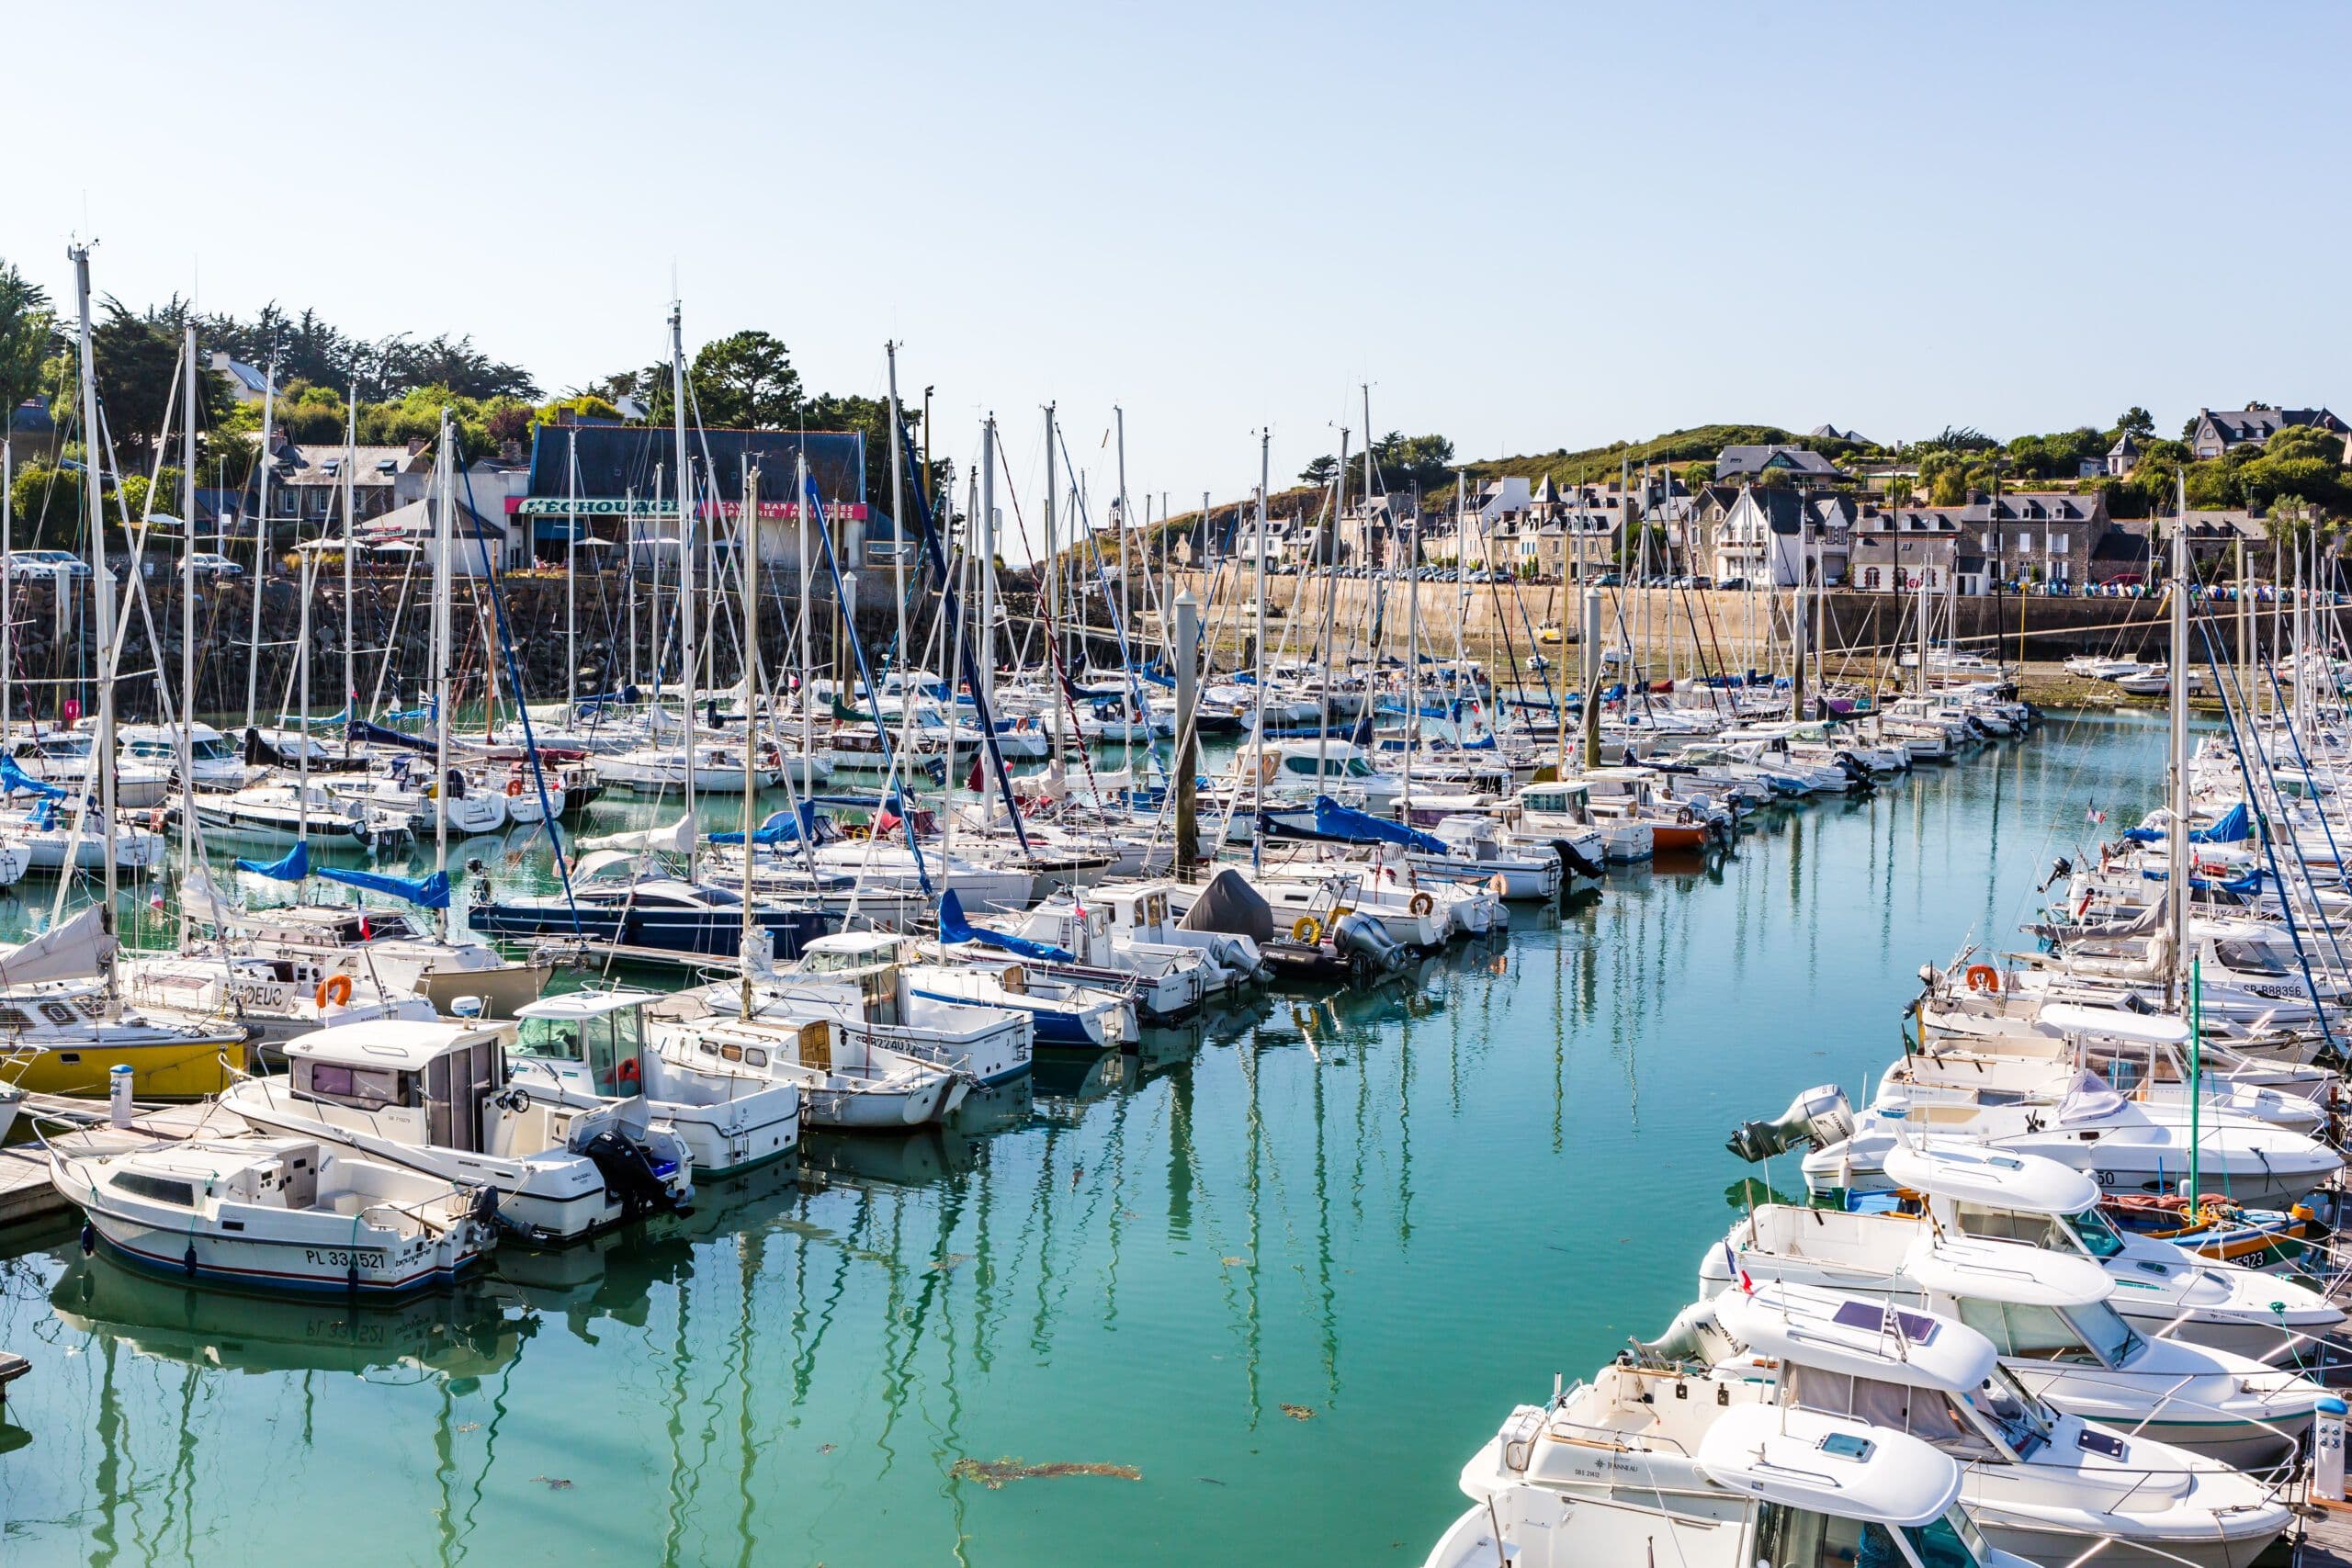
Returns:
<point x="1422" y="904"/>
<point x="1306" y="930"/>
<point x="1685" y="816"/>
<point x="1983" y="977"/>
<point x="333" y="992"/>
<point x="155" y="820"/>
<point x="513" y="786"/>
<point x="628" y="1071"/>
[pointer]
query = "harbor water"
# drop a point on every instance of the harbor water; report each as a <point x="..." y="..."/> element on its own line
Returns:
<point x="1251" y="1295"/>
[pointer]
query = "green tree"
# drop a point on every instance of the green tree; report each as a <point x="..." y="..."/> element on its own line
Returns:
<point x="27" y="337"/>
<point x="745" y="381"/>
<point x="1319" y="473"/>
<point x="2136" y="423"/>
<point x="137" y="356"/>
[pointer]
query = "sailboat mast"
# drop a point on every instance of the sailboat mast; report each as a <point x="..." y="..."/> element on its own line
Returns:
<point x="444" y="472"/>
<point x="984" y="678"/>
<point x="350" y="495"/>
<point x="751" y="536"/>
<point x="690" y="671"/>
<point x="1142" y="715"/>
<point x="899" y="594"/>
<point x="9" y="587"/>
<point x="267" y="458"/>
<point x="571" y="574"/>
<point x="1330" y="554"/>
<point x="2176" y="797"/>
<point x="187" y="587"/>
<point x="807" y="657"/>
<point x="1053" y="603"/>
<point x="1258" y="661"/>
<point x="101" y="583"/>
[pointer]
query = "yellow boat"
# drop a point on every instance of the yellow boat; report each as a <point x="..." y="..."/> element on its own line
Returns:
<point x="64" y="1036"/>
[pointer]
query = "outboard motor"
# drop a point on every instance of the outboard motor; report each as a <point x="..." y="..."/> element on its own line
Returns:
<point x="1819" y="1117"/>
<point x="1359" y="937"/>
<point x="1693" y="1335"/>
<point x="1575" y="862"/>
<point x="630" y="1174"/>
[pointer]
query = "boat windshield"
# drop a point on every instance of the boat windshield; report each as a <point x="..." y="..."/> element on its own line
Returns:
<point x="214" y="750"/>
<point x="2052" y="1232"/>
<point x="2096" y="1233"/>
<point x="2021" y="1419"/>
<point x="64" y="746"/>
<point x="2103" y="1328"/>
<point x="1952" y="1541"/>
<point x="2039" y="1333"/>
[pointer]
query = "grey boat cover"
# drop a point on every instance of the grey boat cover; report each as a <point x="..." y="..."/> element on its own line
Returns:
<point x="2145" y="923"/>
<point x="1230" y="906"/>
<point x="70" y="949"/>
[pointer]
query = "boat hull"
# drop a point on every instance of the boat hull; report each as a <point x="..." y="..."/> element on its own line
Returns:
<point x="179" y="1071"/>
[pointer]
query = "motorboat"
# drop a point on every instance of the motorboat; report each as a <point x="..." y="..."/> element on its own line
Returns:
<point x="1951" y="1188"/>
<point x="276" y="816"/>
<point x="588" y="1048"/>
<point x="391" y="948"/>
<point x="436" y="1097"/>
<point x="2126" y="1146"/>
<point x="279" y="1213"/>
<point x="271" y="1000"/>
<point x="2053" y="1485"/>
<point x="865" y="979"/>
<point x="1072" y="939"/>
<point x="214" y="761"/>
<point x="848" y="1082"/>
<point x="63" y="757"/>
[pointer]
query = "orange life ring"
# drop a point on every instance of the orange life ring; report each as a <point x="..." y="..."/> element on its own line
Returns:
<point x="627" y="1073"/>
<point x="513" y="786"/>
<point x="333" y="992"/>
<point x="1422" y="904"/>
<point x="1983" y="977"/>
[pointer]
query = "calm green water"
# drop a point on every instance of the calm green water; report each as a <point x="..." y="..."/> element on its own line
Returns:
<point x="1292" y="1265"/>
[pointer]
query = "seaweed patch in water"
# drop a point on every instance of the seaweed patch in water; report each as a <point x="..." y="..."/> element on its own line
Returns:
<point x="993" y="1473"/>
<point x="1299" y="1412"/>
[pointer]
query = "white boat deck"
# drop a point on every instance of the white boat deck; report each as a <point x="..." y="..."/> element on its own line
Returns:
<point x="26" y="1194"/>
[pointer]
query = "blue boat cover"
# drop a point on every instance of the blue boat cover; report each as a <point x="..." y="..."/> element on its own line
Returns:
<point x="360" y="729"/>
<point x="1333" y="820"/>
<point x="954" y="927"/>
<point x="16" y="779"/>
<point x="291" y="866"/>
<point x="779" y="829"/>
<point x="425" y="892"/>
<point x="2232" y="826"/>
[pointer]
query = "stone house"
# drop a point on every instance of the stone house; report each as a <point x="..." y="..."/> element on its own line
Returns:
<point x="2218" y="432"/>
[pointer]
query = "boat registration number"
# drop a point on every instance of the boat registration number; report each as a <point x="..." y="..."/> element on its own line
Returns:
<point x="256" y="993"/>
<point x="344" y="1258"/>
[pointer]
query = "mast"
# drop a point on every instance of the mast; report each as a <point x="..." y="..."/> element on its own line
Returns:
<point x="444" y="466"/>
<point x="1052" y="602"/>
<point x="807" y="656"/>
<point x="984" y="678"/>
<point x="1330" y="554"/>
<point x="101" y="583"/>
<point x="899" y="593"/>
<point x="188" y="592"/>
<point x="690" y="673"/>
<point x="1413" y="669"/>
<point x="1142" y="713"/>
<point x="261" y="543"/>
<point x="751" y="709"/>
<point x="571" y="574"/>
<point x="1258" y="662"/>
<point x="350" y="494"/>
<point x="2177" y="837"/>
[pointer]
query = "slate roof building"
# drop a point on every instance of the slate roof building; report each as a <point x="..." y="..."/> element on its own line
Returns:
<point x="2218" y="430"/>
<point x="1804" y="468"/>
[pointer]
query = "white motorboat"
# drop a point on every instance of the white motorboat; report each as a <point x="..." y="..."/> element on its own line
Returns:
<point x="588" y="1048"/>
<point x="848" y="1082"/>
<point x="279" y="1213"/>
<point x="2053" y="1485"/>
<point x="435" y="1097"/>
<point x="61" y="757"/>
<point x="214" y="761"/>
<point x="387" y="947"/>
<point x="272" y="999"/>
<point x="1165" y="981"/>
<point x="2163" y="1290"/>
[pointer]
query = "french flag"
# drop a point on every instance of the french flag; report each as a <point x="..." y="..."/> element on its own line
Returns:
<point x="1730" y="1261"/>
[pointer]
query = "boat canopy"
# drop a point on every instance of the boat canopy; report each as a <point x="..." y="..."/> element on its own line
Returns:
<point x="291" y="866"/>
<point x="1971" y="1173"/>
<point x="1228" y="906"/>
<point x="1828" y="1464"/>
<point x="954" y="927"/>
<point x="2115" y="1023"/>
<point x="1333" y="820"/>
<point x="16" y="780"/>
<point x="2010" y="1272"/>
<point x="1858" y="1336"/>
<point x="426" y="892"/>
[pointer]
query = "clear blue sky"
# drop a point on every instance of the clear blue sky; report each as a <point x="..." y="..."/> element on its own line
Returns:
<point x="1528" y="226"/>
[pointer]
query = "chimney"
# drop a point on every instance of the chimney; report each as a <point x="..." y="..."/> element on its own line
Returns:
<point x="416" y="443"/>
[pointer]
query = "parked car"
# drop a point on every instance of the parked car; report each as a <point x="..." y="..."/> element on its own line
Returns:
<point x="1609" y="579"/>
<point x="1731" y="584"/>
<point x="52" y="565"/>
<point x="204" y="563"/>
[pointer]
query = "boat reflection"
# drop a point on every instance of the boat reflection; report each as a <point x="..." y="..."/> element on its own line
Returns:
<point x="465" y="1333"/>
<point x="900" y="1159"/>
<point x="1069" y="1081"/>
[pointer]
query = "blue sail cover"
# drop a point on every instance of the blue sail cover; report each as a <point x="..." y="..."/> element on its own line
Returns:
<point x="1333" y="820"/>
<point x="360" y="729"/>
<point x="291" y="866"/>
<point x="15" y="779"/>
<point x="954" y="927"/>
<point x="426" y="892"/>
<point x="782" y="828"/>
<point x="2232" y="826"/>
